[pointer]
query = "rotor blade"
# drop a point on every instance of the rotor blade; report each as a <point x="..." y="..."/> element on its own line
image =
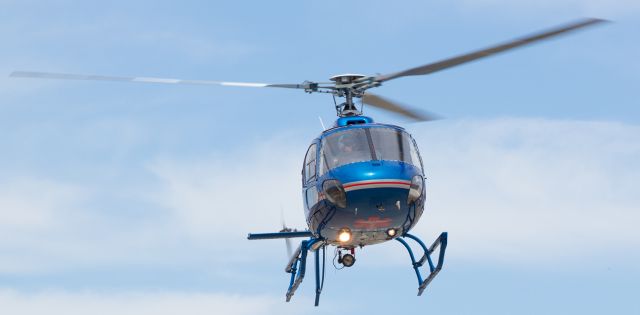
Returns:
<point x="284" y="225"/>
<point x="287" y="241"/>
<point x="383" y="103"/>
<point x="68" y="76"/>
<point x="289" y="249"/>
<point x="452" y="62"/>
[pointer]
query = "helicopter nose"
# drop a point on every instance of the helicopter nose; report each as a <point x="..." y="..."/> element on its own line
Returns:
<point x="377" y="200"/>
<point x="377" y="187"/>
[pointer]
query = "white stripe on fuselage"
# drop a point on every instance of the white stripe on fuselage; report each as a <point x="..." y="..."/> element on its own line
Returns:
<point x="377" y="183"/>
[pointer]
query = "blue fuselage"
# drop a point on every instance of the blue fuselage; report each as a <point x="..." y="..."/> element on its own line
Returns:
<point x="376" y="187"/>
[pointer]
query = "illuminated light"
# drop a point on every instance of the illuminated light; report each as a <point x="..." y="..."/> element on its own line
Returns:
<point x="391" y="232"/>
<point x="344" y="235"/>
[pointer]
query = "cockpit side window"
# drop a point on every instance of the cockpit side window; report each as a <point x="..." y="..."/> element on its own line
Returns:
<point x="415" y="155"/>
<point x="309" y="169"/>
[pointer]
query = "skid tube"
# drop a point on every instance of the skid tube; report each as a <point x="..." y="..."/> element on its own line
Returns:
<point x="441" y="242"/>
<point x="298" y="264"/>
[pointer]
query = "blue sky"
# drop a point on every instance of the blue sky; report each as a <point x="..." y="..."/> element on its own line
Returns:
<point x="136" y="198"/>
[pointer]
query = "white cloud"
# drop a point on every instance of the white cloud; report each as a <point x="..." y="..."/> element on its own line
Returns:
<point x="35" y="216"/>
<point x="30" y="203"/>
<point x="537" y="190"/>
<point x="44" y="224"/>
<point x="49" y="226"/>
<point x="71" y="303"/>
<point x="236" y="193"/>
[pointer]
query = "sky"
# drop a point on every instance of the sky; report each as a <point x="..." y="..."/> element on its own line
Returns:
<point x="124" y="198"/>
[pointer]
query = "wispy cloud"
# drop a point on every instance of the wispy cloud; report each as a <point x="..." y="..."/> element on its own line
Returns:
<point x="234" y="192"/>
<point x="28" y="204"/>
<point x="600" y="8"/>
<point x="31" y="208"/>
<point x="533" y="190"/>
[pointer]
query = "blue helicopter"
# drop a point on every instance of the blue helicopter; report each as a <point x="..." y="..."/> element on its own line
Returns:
<point x="363" y="183"/>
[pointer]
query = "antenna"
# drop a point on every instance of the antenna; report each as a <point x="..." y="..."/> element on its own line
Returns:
<point x="322" y="124"/>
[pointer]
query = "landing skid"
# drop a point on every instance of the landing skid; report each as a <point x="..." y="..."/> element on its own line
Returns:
<point x="441" y="242"/>
<point x="297" y="264"/>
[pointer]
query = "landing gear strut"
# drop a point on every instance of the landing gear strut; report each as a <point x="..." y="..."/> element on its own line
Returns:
<point x="441" y="242"/>
<point x="298" y="263"/>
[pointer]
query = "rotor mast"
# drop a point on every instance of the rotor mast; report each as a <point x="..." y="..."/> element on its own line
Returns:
<point x="349" y="86"/>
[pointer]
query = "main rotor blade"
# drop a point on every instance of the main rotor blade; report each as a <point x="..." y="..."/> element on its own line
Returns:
<point x="68" y="76"/>
<point x="383" y="103"/>
<point x="455" y="61"/>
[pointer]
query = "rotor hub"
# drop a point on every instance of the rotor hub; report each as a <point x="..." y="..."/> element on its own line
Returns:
<point x="346" y="78"/>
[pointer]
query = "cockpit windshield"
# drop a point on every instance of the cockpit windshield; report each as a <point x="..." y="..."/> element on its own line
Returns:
<point x="366" y="144"/>
<point x="344" y="147"/>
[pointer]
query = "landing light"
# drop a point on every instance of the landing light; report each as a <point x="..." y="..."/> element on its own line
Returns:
<point x="335" y="193"/>
<point x="392" y="232"/>
<point x="415" y="190"/>
<point x="344" y="235"/>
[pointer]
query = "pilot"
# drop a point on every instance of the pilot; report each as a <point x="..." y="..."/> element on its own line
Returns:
<point x="350" y="150"/>
<point x="346" y="144"/>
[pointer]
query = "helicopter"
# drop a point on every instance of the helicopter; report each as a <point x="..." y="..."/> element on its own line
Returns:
<point x="363" y="182"/>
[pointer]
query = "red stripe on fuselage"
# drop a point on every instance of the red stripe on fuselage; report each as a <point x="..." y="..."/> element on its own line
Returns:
<point x="377" y="183"/>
